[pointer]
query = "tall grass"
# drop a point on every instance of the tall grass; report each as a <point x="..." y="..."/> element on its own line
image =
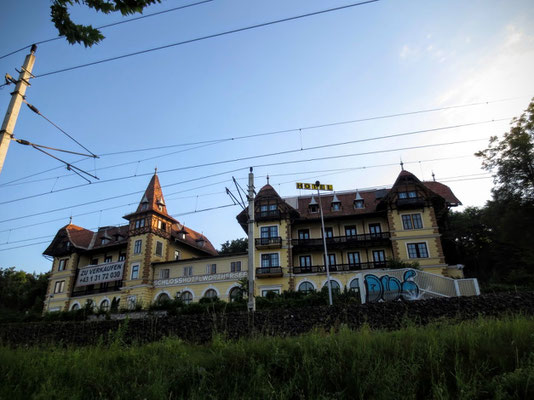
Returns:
<point x="485" y="358"/>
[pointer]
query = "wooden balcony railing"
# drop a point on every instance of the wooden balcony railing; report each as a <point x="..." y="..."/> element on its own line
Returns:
<point x="269" y="272"/>
<point x="269" y="242"/>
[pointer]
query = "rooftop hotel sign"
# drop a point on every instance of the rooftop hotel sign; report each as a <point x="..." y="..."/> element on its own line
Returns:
<point x="313" y="186"/>
<point x="225" y="276"/>
<point x="101" y="273"/>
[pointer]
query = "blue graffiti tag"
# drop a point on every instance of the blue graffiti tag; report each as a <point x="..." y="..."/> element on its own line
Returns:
<point x="389" y="288"/>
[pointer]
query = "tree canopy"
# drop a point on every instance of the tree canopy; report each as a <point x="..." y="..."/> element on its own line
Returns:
<point x="86" y="34"/>
<point x="511" y="159"/>
<point x="21" y="291"/>
<point x="235" y="246"/>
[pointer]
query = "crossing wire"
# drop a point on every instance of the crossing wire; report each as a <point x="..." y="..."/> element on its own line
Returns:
<point x="262" y="156"/>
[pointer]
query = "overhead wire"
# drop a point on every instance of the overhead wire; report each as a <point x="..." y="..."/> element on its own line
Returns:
<point x="447" y="179"/>
<point x="169" y="196"/>
<point x="265" y="155"/>
<point x="242" y="168"/>
<point x="111" y="24"/>
<point x="215" y="35"/>
<point x="291" y="130"/>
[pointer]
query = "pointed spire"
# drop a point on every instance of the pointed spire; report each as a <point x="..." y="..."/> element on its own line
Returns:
<point x="313" y="202"/>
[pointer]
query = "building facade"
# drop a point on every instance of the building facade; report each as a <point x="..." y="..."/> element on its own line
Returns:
<point x="155" y="257"/>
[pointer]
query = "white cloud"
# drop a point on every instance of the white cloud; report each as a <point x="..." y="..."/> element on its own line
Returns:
<point x="408" y="52"/>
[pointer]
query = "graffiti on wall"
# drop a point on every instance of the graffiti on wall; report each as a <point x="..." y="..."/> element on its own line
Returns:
<point x="389" y="288"/>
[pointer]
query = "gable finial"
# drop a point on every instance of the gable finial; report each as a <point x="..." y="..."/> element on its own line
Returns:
<point x="433" y="176"/>
<point x="70" y="220"/>
<point x="402" y="165"/>
<point x="267" y="179"/>
<point x="155" y="170"/>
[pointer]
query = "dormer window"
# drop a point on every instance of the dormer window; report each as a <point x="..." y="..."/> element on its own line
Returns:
<point x="144" y="206"/>
<point x="336" y="204"/>
<point x="160" y="204"/>
<point x="268" y="210"/>
<point x="105" y="240"/>
<point x="200" y="241"/>
<point x="68" y="244"/>
<point x="313" y="207"/>
<point x="358" y="201"/>
<point x="408" y="195"/>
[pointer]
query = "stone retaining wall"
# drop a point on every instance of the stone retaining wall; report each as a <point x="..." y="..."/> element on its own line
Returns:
<point x="200" y="328"/>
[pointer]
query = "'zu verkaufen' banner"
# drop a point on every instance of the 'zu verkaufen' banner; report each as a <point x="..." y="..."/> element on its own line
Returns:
<point x="101" y="273"/>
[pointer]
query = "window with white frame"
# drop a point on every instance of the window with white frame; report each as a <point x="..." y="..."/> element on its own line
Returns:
<point x="137" y="246"/>
<point x="122" y="257"/>
<point x="59" y="287"/>
<point x="159" y="248"/>
<point x="235" y="266"/>
<point x="412" y="221"/>
<point x="354" y="285"/>
<point x="177" y="255"/>
<point x="135" y="271"/>
<point x="211" y="269"/>
<point x="270" y="260"/>
<point x="269" y="231"/>
<point x="164" y="273"/>
<point x="334" y="285"/>
<point x="62" y="264"/>
<point x="210" y="294"/>
<point x="188" y="271"/>
<point x="187" y="297"/>
<point x="108" y="259"/>
<point x="417" y="250"/>
<point x="266" y="292"/>
<point x="104" y="305"/>
<point x="306" y="287"/>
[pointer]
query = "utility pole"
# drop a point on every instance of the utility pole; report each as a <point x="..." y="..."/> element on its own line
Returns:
<point x="8" y="126"/>
<point x="326" y="260"/>
<point x="251" y="270"/>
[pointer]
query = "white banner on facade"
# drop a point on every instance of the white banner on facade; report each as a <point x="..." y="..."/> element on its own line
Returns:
<point x="101" y="273"/>
<point x="226" y="276"/>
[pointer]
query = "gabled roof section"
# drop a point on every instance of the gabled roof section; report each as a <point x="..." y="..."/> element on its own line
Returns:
<point x="444" y="191"/>
<point x="267" y="194"/>
<point x="193" y="239"/>
<point x="68" y="237"/>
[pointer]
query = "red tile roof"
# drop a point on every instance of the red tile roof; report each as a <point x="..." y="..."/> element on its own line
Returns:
<point x="192" y="239"/>
<point x="443" y="191"/>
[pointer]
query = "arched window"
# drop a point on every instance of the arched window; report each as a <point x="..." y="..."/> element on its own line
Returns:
<point x="335" y="286"/>
<point x="75" y="307"/>
<point x="163" y="298"/>
<point x="210" y="294"/>
<point x="104" y="305"/>
<point x="236" y="294"/>
<point x="354" y="285"/>
<point x="306" y="287"/>
<point x="187" y="297"/>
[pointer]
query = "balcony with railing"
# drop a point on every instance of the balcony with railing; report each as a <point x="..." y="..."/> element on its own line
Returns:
<point x="411" y="202"/>
<point x="269" y="242"/>
<point x="321" y="269"/>
<point x="269" y="272"/>
<point x="87" y="290"/>
<point x="342" y="242"/>
<point x="266" y="215"/>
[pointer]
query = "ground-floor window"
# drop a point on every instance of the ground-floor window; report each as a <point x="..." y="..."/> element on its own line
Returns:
<point x="187" y="297"/>
<point x="354" y="285"/>
<point x="210" y="294"/>
<point x="335" y="286"/>
<point x="236" y="294"/>
<point x="104" y="305"/>
<point x="306" y="287"/>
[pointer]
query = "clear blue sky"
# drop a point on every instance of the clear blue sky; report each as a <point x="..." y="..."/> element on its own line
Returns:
<point x="381" y="58"/>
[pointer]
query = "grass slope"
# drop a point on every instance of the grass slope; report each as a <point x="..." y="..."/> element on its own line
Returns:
<point x="485" y="358"/>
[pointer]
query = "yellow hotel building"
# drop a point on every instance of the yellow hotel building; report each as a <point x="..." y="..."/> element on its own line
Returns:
<point x="154" y="256"/>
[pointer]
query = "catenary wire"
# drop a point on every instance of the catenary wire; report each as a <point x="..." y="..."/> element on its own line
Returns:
<point x="169" y="196"/>
<point x="112" y="24"/>
<point x="447" y="179"/>
<point x="239" y="169"/>
<point x="198" y="39"/>
<point x="215" y="141"/>
<point x="262" y="156"/>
